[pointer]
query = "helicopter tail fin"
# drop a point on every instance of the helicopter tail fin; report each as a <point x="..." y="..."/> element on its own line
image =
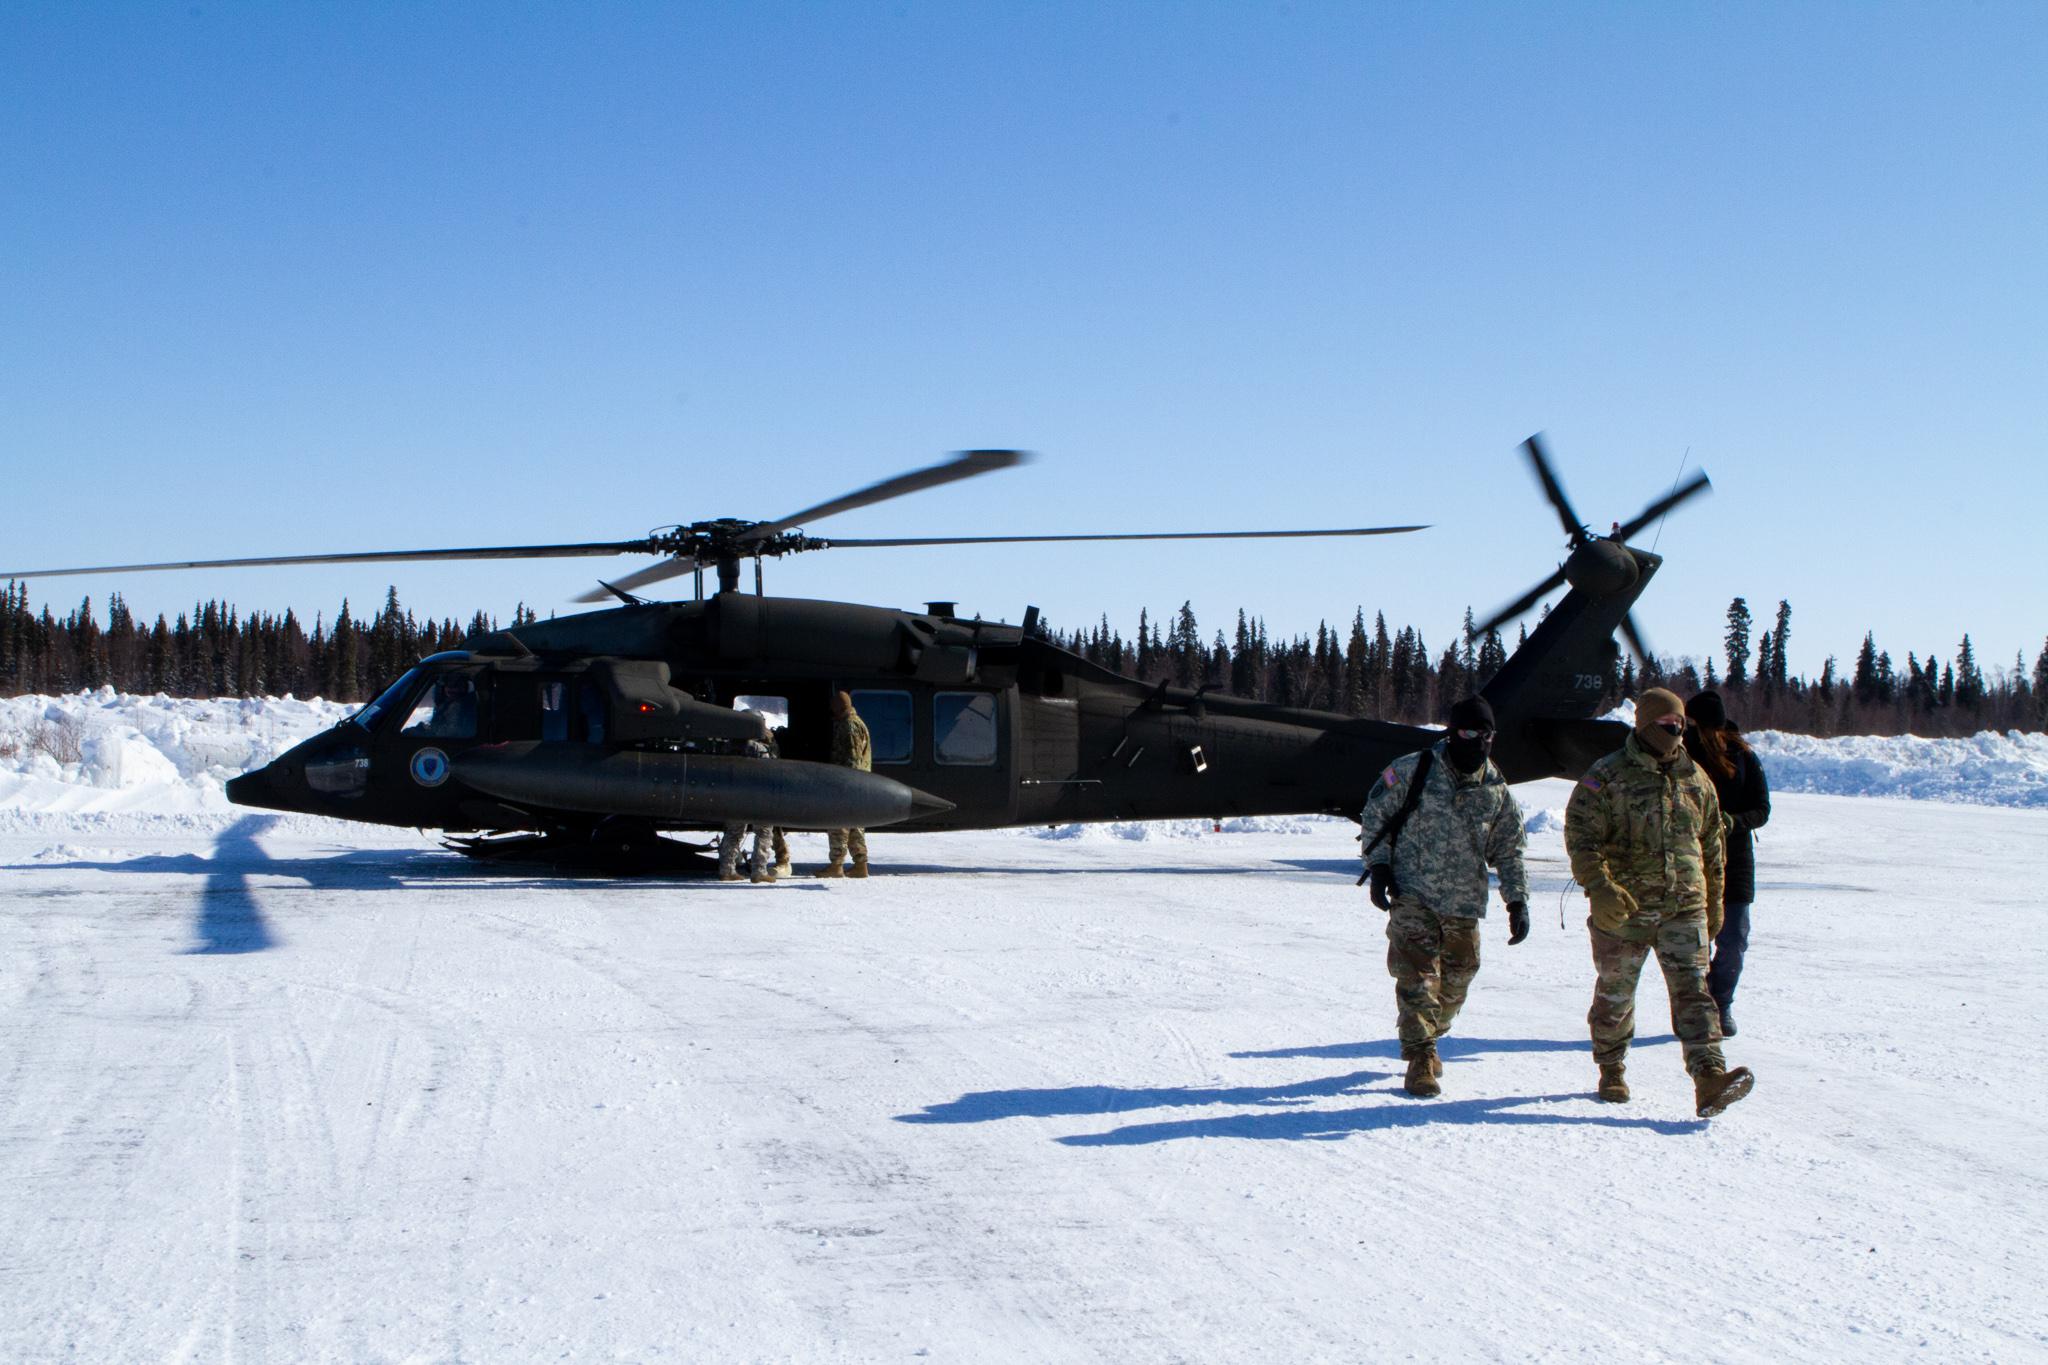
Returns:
<point x="1545" y="696"/>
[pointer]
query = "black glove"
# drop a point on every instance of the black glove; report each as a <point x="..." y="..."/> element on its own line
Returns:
<point x="1518" y="922"/>
<point x="1384" y="888"/>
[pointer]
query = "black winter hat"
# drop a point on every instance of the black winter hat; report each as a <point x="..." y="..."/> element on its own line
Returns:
<point x="1706" y="711"/>
<point x="1473" y="713"/>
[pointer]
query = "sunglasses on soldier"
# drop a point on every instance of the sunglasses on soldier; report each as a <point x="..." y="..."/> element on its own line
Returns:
<point x="1473" y="734"/>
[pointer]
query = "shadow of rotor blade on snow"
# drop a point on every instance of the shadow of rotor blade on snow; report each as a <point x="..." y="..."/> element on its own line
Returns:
<point x="1450" y="1048"/>
<point x="1323" y="1125"/>
<point x="985" y="1106"/>
<point x="230" y="920"/>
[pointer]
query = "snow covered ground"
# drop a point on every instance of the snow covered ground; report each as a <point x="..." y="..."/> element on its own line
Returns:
<point x="286" y="1089"/>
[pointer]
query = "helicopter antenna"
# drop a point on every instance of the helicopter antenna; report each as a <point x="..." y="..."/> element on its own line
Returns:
<point x="1674" y="488"/>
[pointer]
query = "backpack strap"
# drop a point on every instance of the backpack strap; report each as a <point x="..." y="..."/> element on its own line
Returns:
<point x="1391" y="831"/>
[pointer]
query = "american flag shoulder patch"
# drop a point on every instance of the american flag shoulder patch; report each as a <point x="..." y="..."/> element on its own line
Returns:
<point x="1591" y="784"/>
<point x="1388" y="776"/>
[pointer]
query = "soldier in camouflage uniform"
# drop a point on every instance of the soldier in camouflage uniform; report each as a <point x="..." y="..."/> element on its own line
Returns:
<point x="735" y="832"/>
<point x="1429" y="874"/>
<point x="851" y="748"/>
<point x="1644" y="832"/>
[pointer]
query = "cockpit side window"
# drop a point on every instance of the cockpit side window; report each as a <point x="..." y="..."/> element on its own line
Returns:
<point x="446" y="710"/>
<point x="387" y="699"/>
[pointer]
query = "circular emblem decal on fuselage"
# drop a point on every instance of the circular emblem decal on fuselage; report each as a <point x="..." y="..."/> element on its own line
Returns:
<point x="430" y="767"/>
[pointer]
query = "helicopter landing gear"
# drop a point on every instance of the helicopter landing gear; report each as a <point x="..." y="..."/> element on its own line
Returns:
<point x="614" y="847"/>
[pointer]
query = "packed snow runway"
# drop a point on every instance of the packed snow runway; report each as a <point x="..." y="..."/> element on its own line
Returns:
<point x="284" y="1089"/>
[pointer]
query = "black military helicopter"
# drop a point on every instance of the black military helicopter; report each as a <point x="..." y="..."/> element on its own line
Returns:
<point x="585" y="738"/>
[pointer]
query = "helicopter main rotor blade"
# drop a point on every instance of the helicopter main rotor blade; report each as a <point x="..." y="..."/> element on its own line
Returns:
<point x="1662" y="505"/>
<point x="1574" y="529"/>
<point x="1520" y="604"/>
<point x="836" y="543"/>
<point x="639" y="578"/>
<point x="965" y="465"/>
<point x="599" y="547"/>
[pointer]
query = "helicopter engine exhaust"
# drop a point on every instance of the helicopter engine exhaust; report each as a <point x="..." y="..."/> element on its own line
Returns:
<point x="697" y="789"/>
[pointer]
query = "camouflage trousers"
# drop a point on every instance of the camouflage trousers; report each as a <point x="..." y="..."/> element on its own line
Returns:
<point x="729" y="843"/>
<point x="1681" y="948"/>
<point x="843" y="840"/>
<point x="1432" y="959"/>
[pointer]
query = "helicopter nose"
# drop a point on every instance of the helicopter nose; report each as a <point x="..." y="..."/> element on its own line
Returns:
<point x="258" y="788"/>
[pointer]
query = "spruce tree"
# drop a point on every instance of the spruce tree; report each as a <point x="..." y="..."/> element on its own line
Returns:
<point x="1969" y="678"/>
<point x="1863" y="683"/>
<point x="1358" y="667"/>
<point x="1781" y="633"/>
<point x="1736" y="639"/>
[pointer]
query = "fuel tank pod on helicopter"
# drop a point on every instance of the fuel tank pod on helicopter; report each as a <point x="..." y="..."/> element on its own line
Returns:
<point x="691" y="788"/>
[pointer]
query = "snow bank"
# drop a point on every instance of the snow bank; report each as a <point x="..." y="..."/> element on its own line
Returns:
<point x="102" y="753"/>
<point x="1987" y="769"/>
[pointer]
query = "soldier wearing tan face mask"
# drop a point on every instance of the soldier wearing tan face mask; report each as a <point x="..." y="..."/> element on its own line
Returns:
<point x="1645" y="837"/>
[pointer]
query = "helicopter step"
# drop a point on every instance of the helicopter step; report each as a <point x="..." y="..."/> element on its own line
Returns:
<point x="696" y="789"/>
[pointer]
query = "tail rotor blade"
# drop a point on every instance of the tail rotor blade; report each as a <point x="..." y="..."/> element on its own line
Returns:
<point x="1574" y="529"/>
<point x="1636" y="641"/>
<point x="1520" y="604"/>
<point x="1700" y="484"/>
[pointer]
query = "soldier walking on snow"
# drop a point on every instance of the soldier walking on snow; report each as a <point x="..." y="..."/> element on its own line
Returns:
<point x="851" y="748"/>
<point x="1434" y="823"/>
<point x="1645" y="836"/>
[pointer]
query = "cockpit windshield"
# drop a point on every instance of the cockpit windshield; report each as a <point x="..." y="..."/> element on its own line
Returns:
<point x="388" y="698"/>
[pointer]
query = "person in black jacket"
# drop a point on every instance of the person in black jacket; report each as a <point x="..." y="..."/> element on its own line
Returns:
<point x="1718" y="747"/>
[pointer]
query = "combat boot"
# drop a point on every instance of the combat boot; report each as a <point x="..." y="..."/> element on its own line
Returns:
<point x="783" y="869"/>
<point x="1421" y="1081"/>
<point x="1727" y="1021"/>
<point x="764" y="875"/>
<point x="726" y="874"/>
<point x="1614" y="1083"/>
<point x="859" y="868"/>
<point x="831" y="869"/>
<point x="1716" y="1090"/>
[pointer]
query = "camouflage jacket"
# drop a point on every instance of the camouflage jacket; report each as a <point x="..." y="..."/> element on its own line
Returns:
<point x="851" y="747"/>
<point x="1653" y="829"/>
<point x="1462" y="825"/>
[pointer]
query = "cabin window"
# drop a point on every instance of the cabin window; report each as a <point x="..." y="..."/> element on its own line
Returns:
<point x="554" y="709"/>
<point x="964" y="727"/>
<point x="887" y="716"/>
<point x="447" y="710"/>
<point x="775" y="708"/>
<point x="590" y="701"/>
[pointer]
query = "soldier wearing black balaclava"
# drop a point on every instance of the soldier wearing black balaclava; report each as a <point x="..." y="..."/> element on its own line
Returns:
<point x="1428" y="871"/>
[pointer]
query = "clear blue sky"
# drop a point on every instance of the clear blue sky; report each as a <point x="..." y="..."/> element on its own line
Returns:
<point x="297" y="278"/>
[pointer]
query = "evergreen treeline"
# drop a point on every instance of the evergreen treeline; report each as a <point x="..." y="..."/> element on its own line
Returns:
<point x="1393" y="676"/>
<point x="1362" y="671"/>
<point x="216" y="652"/>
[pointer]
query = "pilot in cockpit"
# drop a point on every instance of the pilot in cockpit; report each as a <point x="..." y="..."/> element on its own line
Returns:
<point x="454" y="715"/>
